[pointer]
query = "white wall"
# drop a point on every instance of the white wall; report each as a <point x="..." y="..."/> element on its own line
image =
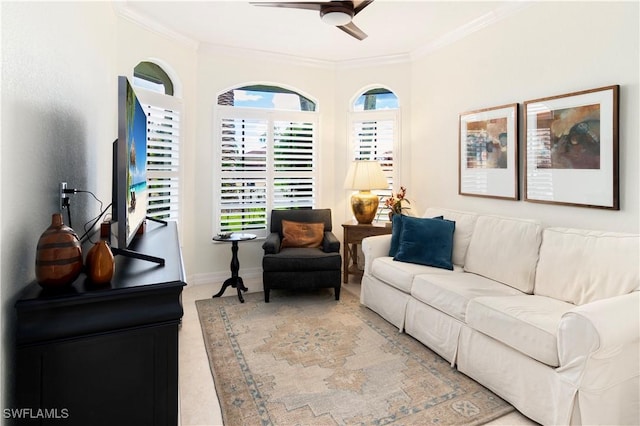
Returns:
<point x="60" y="63"/>
<point x="549" y="48"/>
<point x="58" y="98"/>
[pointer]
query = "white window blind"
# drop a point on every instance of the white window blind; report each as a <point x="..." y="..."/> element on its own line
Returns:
<point x="293" y="164"/>
<point x="163" y="154"/>
<point x="374" y="136"/>
<point x="265" y="161"/>
<point x="243" y="184"/>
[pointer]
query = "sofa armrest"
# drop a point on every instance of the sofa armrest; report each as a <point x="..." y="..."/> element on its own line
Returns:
<point x="599" y="342"/>
<point x="599" y="353"/>
<point x="271" y="244"/>
<point x="373" y="247"/>
<point x="603" y="327"/>
<point x="330" y="243"/>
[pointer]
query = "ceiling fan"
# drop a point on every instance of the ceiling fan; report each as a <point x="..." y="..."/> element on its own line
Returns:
<point x="338" y="13"/>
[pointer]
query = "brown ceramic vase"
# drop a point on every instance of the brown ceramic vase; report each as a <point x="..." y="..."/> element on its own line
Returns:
<point x="100" y="263"/>
<point x="58" y="256"/>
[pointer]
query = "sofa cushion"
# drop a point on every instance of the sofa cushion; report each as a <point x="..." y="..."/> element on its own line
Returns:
<point x="400" y="274"/>
<point x="465" y="222"/>
<point x="580" y="266"/>
<point x="528" y="323"/>
<point x="506" y="250"/>
<point x="426" y="242"/>
<point x="450" y="293"/>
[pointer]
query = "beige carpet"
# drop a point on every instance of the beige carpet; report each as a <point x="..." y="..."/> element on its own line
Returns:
<point x="305" y="359"/>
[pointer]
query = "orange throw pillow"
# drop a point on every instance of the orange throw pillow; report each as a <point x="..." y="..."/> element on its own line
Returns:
<point x="301" y="234"/>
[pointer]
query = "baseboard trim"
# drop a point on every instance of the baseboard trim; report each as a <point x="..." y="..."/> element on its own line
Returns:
<point x="219" y="277"/>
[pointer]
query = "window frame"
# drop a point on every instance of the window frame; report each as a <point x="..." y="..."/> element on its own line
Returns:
<point x="222" y="112"/>
<point x="154" y="74"/>
<point x="378" y="115"/>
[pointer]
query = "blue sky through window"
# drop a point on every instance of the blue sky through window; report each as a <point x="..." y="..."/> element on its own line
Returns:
<point x="383" y="101"/>
<point x="266" y="100"/>
<point x="149" y="85"/>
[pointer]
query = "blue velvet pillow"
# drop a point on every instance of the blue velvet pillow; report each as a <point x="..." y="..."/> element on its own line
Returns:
<point x="396" y="230"/>
<point x="426" y="242"/>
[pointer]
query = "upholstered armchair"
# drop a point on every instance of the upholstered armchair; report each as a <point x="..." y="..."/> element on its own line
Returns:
<point x="301" y="252"/>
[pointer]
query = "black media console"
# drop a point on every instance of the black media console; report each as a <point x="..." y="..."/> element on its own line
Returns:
<point x="105" y="355"/>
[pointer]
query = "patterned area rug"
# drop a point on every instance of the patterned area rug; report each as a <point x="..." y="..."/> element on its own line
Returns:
<point x="305" y="359"/>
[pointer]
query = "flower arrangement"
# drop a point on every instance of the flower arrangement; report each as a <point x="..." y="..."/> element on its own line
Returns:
<point x="394" y="203"/>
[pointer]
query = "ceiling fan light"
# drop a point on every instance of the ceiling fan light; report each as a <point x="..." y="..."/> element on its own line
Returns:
<point x="336" y="18"/>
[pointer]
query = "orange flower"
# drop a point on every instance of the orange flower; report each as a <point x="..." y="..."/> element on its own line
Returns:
<point x="394" y="203"/>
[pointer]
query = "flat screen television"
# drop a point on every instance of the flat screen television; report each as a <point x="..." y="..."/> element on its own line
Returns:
<point x="129" y="186"/>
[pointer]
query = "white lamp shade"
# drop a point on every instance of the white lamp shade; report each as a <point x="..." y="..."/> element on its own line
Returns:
<point x="365" y="176"/>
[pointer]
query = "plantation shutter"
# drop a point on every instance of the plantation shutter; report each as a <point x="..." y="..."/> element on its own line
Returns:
<point x="293" y="165"/>
<point x="374" y="136"/>
<point x="163" y="154"/>
<point x="243" y="184"/>
<point x="265" y="162"/>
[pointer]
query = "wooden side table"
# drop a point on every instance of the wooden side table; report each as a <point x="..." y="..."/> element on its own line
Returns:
<point x="353" y="233"/>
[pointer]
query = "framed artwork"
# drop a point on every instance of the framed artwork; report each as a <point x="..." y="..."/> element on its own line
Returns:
<point x="571" y="154"/>
<point x="488" y="151"/>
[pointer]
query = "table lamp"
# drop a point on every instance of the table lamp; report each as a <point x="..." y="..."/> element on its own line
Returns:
<point x="365" y="176"/>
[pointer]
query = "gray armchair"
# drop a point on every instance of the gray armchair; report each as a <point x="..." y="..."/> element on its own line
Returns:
<point x="301" y="268"/>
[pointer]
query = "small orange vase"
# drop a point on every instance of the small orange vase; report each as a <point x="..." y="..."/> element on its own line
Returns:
<point x="100" y="263"/>
<point x="58" y="256"/>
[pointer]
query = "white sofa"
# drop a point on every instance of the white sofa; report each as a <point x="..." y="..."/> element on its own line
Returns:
<point x="548" y="319"/>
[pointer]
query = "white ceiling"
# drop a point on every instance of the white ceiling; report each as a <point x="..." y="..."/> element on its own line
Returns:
<point x="394" y="27"/>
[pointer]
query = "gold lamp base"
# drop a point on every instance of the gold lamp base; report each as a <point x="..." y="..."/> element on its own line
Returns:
<point x="364" y="205"/>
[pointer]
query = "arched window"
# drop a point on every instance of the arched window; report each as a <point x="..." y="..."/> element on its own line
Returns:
<point x="376" y="99"/>
<point x="155" y="90"/>
<point x="375" y="134"/>
<point x="265" y="156"/>
<point x="150" y="76"/>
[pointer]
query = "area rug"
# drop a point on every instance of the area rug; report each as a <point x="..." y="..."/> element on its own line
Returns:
<point x="306" y="359"/>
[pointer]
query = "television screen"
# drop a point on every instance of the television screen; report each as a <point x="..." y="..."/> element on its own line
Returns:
<point x="130" y="165"/>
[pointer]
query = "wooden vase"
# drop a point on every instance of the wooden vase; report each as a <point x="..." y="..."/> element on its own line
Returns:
<point x="100" y="263"/>
<point x="58" y="255"/>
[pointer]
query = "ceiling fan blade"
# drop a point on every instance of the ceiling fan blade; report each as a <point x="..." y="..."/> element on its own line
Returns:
<point x="357" y="7"/>
<point x="353" y="31"/>
<point x="291" y="5"/>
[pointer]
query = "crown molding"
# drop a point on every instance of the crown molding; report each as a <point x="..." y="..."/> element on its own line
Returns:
<point x="502" y="12"/>
<point x="374" y="61"/>
<point x="242" y="52"/>
<point x="145" y="22"/>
